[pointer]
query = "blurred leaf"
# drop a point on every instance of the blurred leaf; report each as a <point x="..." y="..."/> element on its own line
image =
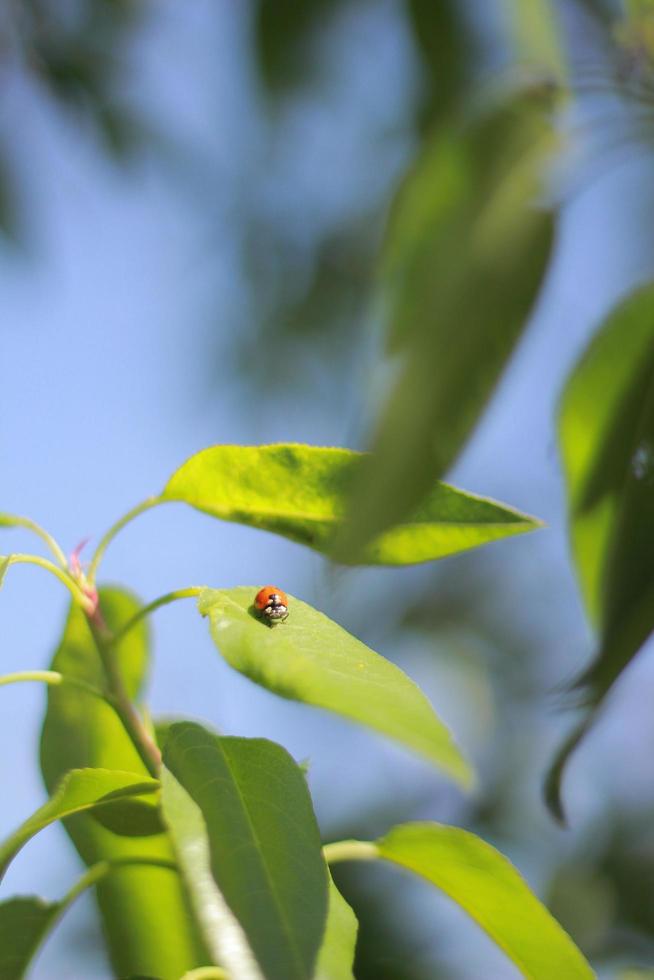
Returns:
<point x="468" y="244"/>
<point x="538" y="37"/>
<point x="311" y="659"/>
<point x="265" y="852"/>
<point x="607" y="439"/>
<point x="284" y="30"/>
<point x="5" y="562"/>
<point x="337" y="951"/>
<point x="447" y="50"/>
<point x="24" y="923"/>
<point x="9" y="217"/>
<point x="145" y="913"/>
<point x="79" y="790"/>
<point x="301" y="493"/>
<point x="487" y="886"/>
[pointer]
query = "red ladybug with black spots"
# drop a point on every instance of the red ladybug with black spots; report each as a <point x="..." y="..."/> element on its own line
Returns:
<point x="271" y="604"/>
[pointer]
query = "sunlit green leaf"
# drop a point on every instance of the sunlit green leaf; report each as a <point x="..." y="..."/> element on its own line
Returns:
<point x="301" y="492"/>
<point x="264" y="844"/>
<point x="310" y="658"/>
<point x="607" y="440"/>
<point x="145" y="913"/>
<point x="80" y="790"/>
<point x="336" y="955"/>
<point x="487" y="886"/>
<point x="4" y="565"/>
<point x="24" y="923"/>
<point x="467" y="247"/>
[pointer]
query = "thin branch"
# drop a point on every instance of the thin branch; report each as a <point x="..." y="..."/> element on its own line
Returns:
<point x="120" y="699"/>
<point x="78" y="593"/>
<point x="350" y="850"/>
<point x="114" y="530"/>
<point x="144" y="611"/>
<point x="54" y="679"/>
<point x="14" y="520"/>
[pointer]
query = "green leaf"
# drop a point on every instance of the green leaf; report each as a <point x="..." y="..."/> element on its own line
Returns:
<point x="336" y="955"/>
<point x="538" y="38"/>
<point x="487" y="886"/>
<point x="467" y="248"/>
<point x="146" y="917"/>
<point x="265" y="853"/>
<point x="301" y="492"/>
<point x="132" y="817"/>
<point x="223" y="934"/>
<point x="26" y="921"/>
<point x="24" y="924"/>
<point x="607" y="439"/>
<point x="284" y="32"/>
<point x="311" y="659"/>
<point x="80" y="790"/>
<point x="446" y="45"/>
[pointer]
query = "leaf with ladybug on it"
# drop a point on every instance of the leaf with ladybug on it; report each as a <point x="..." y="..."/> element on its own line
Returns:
<point x="313" y="660"/>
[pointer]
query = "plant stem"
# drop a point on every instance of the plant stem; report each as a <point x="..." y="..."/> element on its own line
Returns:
<point x="164" y="600"/>
<point x="206" y="973"/>
<point x="113" y="531"/>
<point x="14" y="520"/>
<point x="120" y="699"/>
<point x="54" y="678"/>
<point x="80" y="596"/>
<point x="350" y="850"/>
<point x="100" y="870"/>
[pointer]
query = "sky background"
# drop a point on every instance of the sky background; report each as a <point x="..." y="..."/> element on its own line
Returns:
<point x="123" y="314"/>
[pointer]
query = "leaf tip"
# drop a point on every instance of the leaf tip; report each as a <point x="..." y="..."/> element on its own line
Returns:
<point x="554" y="778"/>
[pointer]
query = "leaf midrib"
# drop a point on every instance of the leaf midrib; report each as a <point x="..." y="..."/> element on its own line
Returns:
<point x="250" y="825"/>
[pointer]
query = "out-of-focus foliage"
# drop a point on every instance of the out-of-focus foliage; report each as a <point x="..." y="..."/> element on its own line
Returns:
<point x="79" y="51"/>
<point x="607" y="436"/>
<point x="467" y="248"/>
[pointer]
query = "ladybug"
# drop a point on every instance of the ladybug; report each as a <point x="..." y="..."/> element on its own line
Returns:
<point x="272" y="604"/>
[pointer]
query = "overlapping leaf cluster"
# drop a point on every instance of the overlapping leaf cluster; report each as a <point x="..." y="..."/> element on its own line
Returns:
<point x="219" y="862"/>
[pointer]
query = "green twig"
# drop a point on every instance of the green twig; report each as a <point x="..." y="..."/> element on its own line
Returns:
<point x="206" y="973"/>
<point x="120" y="699"/>
<point x="93" y="876"/>
<point x="100" y="870"/>
<point x="54" y="678"/>
<point x="113" y="531"/>
<point x="79" y="594"/>
<point x="164" y="600"/>
<point x="350" y="850"/>
<point x="14" y="520"/>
